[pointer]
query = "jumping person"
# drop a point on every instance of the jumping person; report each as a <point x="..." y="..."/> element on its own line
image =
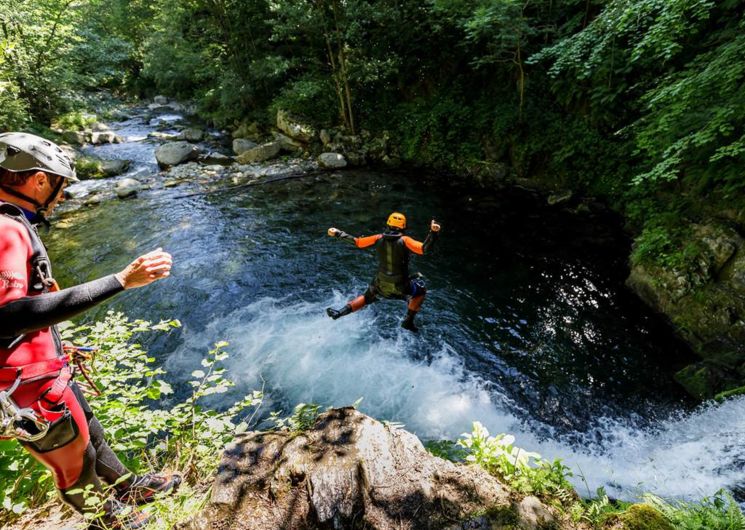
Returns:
<point x="393" y="279"/>
<point x="40" y="405"/>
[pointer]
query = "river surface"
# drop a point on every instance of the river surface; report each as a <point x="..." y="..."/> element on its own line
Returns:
<point x="527" y="326"/>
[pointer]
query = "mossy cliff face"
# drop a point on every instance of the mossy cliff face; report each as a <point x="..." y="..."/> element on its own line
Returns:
<point x="703" y="296"/>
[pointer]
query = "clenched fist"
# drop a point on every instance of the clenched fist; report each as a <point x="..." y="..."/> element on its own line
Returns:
<point x="146" y="269"/>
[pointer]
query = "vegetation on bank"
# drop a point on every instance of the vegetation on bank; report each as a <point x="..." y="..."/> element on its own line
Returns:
<point x="150" y="428"/>
<point x="639" y="101"/>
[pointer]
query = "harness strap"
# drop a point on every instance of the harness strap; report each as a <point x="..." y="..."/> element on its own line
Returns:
<point x="54" y="393"/>
<point x="33" y="372"/>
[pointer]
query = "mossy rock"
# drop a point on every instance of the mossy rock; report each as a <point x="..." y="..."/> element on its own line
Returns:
<point x="643" y="517"/>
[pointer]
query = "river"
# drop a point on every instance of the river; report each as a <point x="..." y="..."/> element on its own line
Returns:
<point x="527" y="326"/>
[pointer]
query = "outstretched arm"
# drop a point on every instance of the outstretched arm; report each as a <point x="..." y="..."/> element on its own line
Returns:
<point x="359" y="242"/>
<point x="21" y="314"/>
<point x="420" y="248"/>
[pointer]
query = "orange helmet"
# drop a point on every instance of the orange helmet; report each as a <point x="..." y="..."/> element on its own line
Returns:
<point x="397" y="220"/>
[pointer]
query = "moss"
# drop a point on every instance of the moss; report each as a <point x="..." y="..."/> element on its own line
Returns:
<point x="643" y="517"/>
<point x="739" y="391"/>
<point x="88" y="168"/>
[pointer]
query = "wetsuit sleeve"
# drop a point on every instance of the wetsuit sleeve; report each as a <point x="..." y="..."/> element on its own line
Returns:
<point x="418" y="247"/>
<point x="33" y="313"/>
<point x="367" y="241"/>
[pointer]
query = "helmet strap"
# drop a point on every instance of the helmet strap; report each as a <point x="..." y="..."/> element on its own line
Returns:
<point x="41" y="209"/>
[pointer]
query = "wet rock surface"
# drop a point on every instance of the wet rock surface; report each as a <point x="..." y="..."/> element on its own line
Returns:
<point x="351" y="471"/>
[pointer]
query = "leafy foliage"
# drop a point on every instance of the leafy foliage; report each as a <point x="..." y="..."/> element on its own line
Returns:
<point x="139" y="425"/>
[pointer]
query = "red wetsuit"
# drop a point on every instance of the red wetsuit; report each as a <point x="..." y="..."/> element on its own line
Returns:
<point x="75" y="452"/>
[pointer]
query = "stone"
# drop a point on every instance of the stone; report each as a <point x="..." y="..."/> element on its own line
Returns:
<point x="331" y="161"/>
<point x="127" y="188"/>
<point x="643" y="517"/>
<point x="259" y="153"/>
<point x="174" y="153"/>
<point x="533" y="514"/>
<point x="325" y="137"/>
<point x="98" y="138"/>
<point x="192" y="134"/>
<point x="74" y="137"/>
<point x="216" y="158"/>
<point x="247" y="130"/>
<point x="160" y="100"/>
<point x="100" y="127"/>
<point x="348" y="470"/>
<point x="288" y="144"/>
<point x="112" y="168"/>
<point x="294" y="128"/>
<point x="241" y="145"/>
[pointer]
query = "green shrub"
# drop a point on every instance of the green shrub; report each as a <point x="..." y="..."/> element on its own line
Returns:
<point x="185" y="437"/>
<point x="719" y="512"/>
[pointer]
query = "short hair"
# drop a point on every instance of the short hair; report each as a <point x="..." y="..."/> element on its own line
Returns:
<point x="13" y="178"/>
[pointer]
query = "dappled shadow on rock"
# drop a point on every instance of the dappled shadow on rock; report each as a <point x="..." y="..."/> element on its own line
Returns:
<point x="350" y="471"/>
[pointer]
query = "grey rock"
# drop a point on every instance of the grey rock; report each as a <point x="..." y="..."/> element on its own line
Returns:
<point x="288" y="144"/>
<point x="325" y="137"/>
<point x="74" y="137"/>
<point x="331" y="161"/>
<point x="534" y="515"/>
<point x="174" y="153"/>
<point x="216" y="158"/>
<point x="98" y="138"/>
<point x="100" y="127"/>
<point x="294" y="128"/>
<point x="112" y="168"/>
<point x="163" y="136"/>
<point x="347" y="471"/>
<point x="127" y="188"/>
<point x="260" y="153"/>
<point x="192" y="134"/>
<point x="241" y="145"/>
<point x="160" y="100"/>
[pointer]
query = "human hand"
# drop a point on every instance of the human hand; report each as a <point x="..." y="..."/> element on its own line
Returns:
<point x="434" y="226"/>
<point x="334" y="232"/>
<point x="146" y="269"/>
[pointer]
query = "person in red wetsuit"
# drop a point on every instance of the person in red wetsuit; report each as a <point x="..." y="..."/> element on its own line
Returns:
<point x="393" y="279"/>
<point x="63" y="434"/>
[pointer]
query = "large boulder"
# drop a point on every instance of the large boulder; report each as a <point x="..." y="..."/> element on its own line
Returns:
<point x="288" y="144"/>
<point x="331" y="161"/>
<point x="703" y="296"/>
<point x="259" y="153"/>
<point x="294" y="128"/>
<point x="351" y="471"/>
<point x="174" y="153"/>
<point x="74" y="137"/>
<point x="241" y="145"/>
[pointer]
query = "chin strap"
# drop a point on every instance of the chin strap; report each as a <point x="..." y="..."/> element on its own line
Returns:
<point x="41" y="209"/>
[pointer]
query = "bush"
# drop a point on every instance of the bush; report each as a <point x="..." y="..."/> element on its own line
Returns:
<point x="185" y="437"/>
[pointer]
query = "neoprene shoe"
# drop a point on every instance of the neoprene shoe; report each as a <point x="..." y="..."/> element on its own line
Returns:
<point x="145" y="488"/>
<point x="338" y="313"/>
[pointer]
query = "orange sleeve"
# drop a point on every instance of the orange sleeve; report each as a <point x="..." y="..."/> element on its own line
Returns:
<point x="413" y="245"/>
<point x="367" y="241"/>
<point x="15" y="250"/>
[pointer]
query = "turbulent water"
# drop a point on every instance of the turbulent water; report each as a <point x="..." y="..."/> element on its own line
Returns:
<point x="527" y="326"/>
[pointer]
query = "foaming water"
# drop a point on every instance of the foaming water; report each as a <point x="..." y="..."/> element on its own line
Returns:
<point x="302" y="356"/>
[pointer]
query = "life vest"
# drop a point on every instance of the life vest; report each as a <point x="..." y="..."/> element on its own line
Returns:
<point x="393" y="264"/>
<point x="50" y="361"/>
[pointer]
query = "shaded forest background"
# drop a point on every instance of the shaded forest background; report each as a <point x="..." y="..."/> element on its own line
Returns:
<point x="640" y="102"/>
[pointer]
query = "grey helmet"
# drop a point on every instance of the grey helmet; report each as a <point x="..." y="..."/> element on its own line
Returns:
<point x="27" y="152"/>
